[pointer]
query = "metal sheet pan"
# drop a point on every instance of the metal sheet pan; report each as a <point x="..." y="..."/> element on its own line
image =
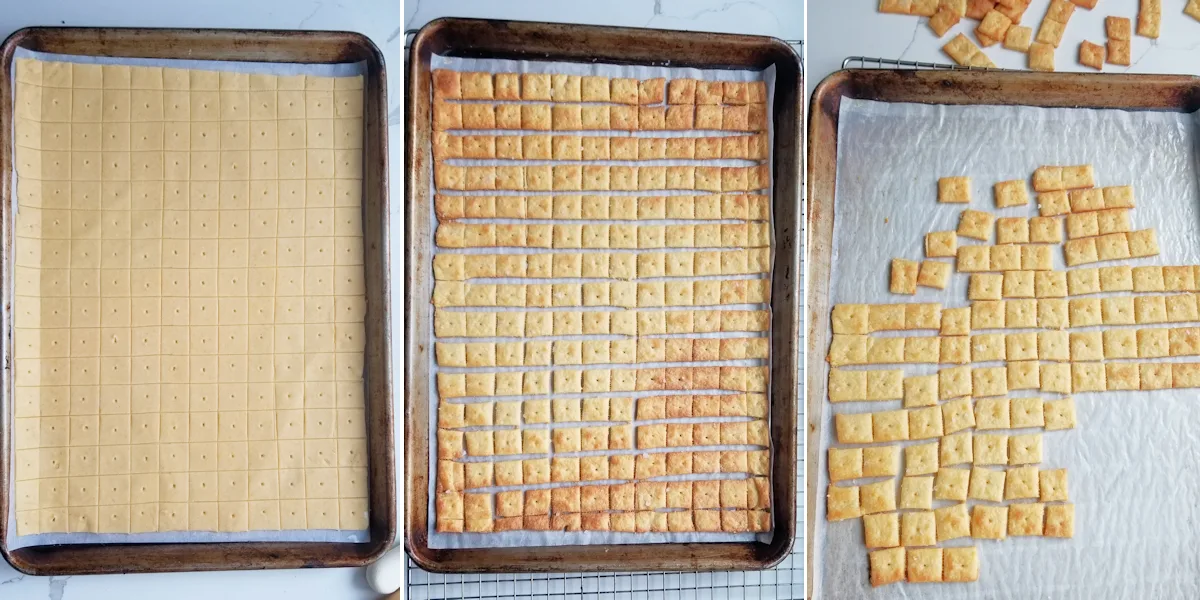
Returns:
<point x="577" y="43"/>
<point x="1128" y="92"/>
<point x="231" y="45"/>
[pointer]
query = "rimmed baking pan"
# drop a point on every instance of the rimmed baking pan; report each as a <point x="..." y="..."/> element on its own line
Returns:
<point x="577" y="43"/>
<point x="1048" y="90"/>
<point x="245" y="46"/>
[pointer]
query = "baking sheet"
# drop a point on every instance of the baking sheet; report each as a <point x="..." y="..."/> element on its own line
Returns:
<point x="521" y="538"/>
<point x="1132" y="456"/>
<point x="15" y="541"/>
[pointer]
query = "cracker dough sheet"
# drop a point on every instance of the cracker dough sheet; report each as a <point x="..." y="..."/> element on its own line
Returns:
<point x="519" y="537"/>
<point x="188" y="301"/>
<point x="1131" y="457"/>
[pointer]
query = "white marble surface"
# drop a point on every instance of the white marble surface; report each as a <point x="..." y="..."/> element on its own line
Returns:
<point x="844" y="28"/>
<point x="380" y="21"/>
<point x="783" y="19"/>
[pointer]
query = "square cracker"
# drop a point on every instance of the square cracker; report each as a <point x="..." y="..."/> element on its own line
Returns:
<point x="854" y="428"/>
<point x="951" y="484"/>
<point x="924" y="564"/>
<point x="985" y="286"/>
<point x="840" y="503"/>
<point x="941" y="244"/>
<point x="1026" y="412"/>
<point x="918" y="529"/>
<point x="1142" y="243"/>
<point x="1018" y="284"/>
<point x="880" y="461"/>
<point x="1009" y="193"/>
<point x="955" y="190"/>
<point x="1056" y="377"/>
<point x="916" y="493"/>
<point x="954" y="382"/>
<point x="973" y="258"/>
<point x="975" y="224"/>
<point x="925" y="423"/>
<point x="904" y="276"/>
<point x="1021" y="483"/>
<point x="850" y="318"/>
<point x="889" y="426"/>
<point x="1005" y="258"/>
<point x="992" y="413"/>
<point x="957" y="415"/>
<point x="1116" y="279"/>
<point x="986" y="347"/>
<point x="1052" y="485"/>
<point x="1024" y="449"/>
<point x="952" y="522"/>
<point x="956" y="321"/>
<point x="878" y="497"/>
<point x="887" y="566"/>
<point x="989" y="522"/>
<point x="1060" y="520"/>
<point x="989" y="381"/>
<point x="1060" y="414"/>
<point x="845" y="463"/>
<point x="1012" y="230"/>
<point x="1153" y="376"/>
<point x="960" y="564"/>
<point x="1045" y="230"/>
<point x="921" y="459"/>
<point x="1052" y="203"/>
<point x="1041" y="58"/>
<point x="881" y="530"/>
<point x="920" y="390"/>
<point x="986" y="484"/>
<point x="990" y="449"/>
<point x="933" y="274"/>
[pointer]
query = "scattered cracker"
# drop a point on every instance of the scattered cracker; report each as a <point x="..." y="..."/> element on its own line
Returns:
<point x="962" y="50"/>
<point x="1091" y="55"/>
<point x="932" y="274"/>
<point x="904" y="276"/>
<point x="1149" y="19"/>
<point x="941" y="244"/>
<point x="975" y="224"/>
<point x="955" y="190"/>
<point x="1041" y="58"/>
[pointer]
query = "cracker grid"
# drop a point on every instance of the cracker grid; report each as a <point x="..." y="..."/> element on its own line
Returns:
<point x="510" y="381"/>
<point x="193" y="355"/>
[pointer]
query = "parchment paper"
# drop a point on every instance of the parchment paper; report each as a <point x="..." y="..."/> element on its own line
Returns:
<point x="553" y="538"/>
<point x="1132" y="458"/>
<point x="311" y="535"/>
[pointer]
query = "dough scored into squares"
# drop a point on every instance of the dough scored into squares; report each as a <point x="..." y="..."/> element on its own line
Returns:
<point x="199" y="352"/>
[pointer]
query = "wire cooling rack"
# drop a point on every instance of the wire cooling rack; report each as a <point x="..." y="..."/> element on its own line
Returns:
<point x="871" y="62"/>
<point x="784" y="582"/>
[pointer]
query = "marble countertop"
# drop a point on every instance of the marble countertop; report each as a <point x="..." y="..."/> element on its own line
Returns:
<point x="380" y="20"/>
<point x="857" y="28"/>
